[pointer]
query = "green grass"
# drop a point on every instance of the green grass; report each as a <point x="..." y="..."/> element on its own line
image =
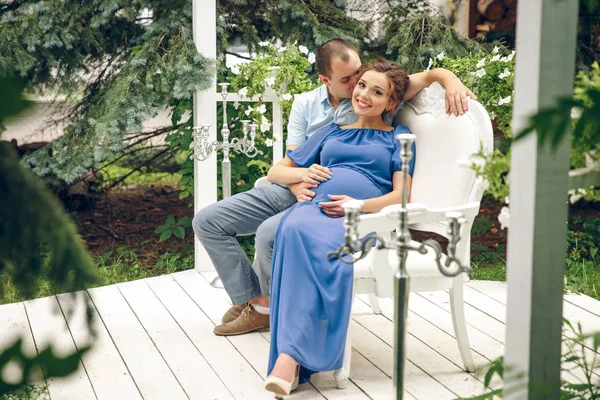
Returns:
<point x="140" y="178"/>
<point x="120" y="265"/>
<point x="493" y="271"/>
<point x="27" y="392"/>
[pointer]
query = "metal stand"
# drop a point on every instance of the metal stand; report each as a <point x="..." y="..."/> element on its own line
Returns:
<point x="354" y="250"/>
<point x="203" y="149"/>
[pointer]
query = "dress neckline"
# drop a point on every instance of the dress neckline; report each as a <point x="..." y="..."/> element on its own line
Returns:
<point x="371" y="129"/>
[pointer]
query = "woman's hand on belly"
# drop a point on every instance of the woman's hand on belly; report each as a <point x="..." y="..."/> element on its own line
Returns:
<point x="334" y="208"/>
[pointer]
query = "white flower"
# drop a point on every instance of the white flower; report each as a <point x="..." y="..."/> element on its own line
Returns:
<point x="286" y="97"/>
<point x="440" y="56"/>
<point x="496" y="58"/>
<point x="235" y="70"/>
<point x="281" y="49"/>
<point x="505" y="100"/>
<point x="236" y="104"/>
<point x="265" y="126"/>
<point x="504" y="218"/>
<point x="248" y="111"/>
<point x="492" y="115"/>
<point x="263" y="44"/>
<point x="507" y="200"/>
<point x="270" y="81"/>
<point x="311" y="57"/>
<point x="269" y="143"/>
<point x="486" y="184"/>
<point x="303" y="50"/>
<point x="262" y="109"/>
<point x="496" y="49"/>
<point x="263" y="120"/>
<point x="504" y="74"/>
<point x="243" y="92"/>
<point x="576" y="195"/>
<point x="480" y="72"/>
<point x="429" y="65"/>
<point x="511" y="56"/>
<point x="504" y="59"/>
<point x="481" y="63"/>
<point x="575" y="113"/>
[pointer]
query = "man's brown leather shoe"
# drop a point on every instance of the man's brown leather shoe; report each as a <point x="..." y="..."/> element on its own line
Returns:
<point x="233" y="313"/>
<point x="249" y="320"/>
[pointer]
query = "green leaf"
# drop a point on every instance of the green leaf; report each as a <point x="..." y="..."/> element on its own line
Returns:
<point x="166" y="235"/>
<point x="186" y="222"/>
<point x="179" y="232"/>
<point x="170" y="220"/>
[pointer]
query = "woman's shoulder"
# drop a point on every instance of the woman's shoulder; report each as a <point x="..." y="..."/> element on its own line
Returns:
<point x="401" y="129"/>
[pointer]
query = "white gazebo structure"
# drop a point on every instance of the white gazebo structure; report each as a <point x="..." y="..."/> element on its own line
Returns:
<point x="539" y="183"/>
<point x="154" y="337"/>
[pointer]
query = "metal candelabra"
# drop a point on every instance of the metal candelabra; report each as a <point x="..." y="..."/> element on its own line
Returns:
<point x="354" y="249"/>
<point x="203" y="148"/>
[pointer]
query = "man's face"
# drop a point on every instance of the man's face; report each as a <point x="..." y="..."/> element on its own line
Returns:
<point x="343" y="76"/>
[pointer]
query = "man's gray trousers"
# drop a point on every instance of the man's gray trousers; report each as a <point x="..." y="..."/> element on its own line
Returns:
<point x="259" y="211"/>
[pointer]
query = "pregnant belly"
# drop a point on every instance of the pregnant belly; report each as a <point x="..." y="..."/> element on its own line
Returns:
<point x="347" y="182"/>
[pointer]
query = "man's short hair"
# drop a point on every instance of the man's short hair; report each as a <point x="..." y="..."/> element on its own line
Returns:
<point x="334" y="48"/>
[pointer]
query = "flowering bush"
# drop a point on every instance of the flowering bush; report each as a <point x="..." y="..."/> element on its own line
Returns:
<point x="283" y="69"/>
<point x="491" y="77"/>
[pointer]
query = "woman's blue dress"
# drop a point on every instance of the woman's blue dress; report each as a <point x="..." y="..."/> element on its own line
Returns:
<point x="311" y="295"/>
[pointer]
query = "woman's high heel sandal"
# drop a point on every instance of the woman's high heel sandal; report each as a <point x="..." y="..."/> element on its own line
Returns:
<point x="281" y="387"/>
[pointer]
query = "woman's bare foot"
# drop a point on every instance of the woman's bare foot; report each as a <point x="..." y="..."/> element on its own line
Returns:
<point x="285" y="368"/>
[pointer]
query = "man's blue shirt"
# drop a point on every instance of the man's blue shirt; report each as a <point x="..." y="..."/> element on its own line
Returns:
<point x="312" y="111"/>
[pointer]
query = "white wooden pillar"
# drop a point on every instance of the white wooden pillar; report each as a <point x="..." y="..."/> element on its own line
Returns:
<point x="204" y="17"/>
<point x="545" y="60"/>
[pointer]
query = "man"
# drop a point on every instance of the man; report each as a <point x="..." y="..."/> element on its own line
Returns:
<point x="260" y="210"/>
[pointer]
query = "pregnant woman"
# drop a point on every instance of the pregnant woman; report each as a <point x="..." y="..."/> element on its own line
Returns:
<point x="311" y="295"/>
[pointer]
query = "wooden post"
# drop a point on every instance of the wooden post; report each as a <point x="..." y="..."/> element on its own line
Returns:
<point x="204" y="17"/>
<point x="545" y="63"/>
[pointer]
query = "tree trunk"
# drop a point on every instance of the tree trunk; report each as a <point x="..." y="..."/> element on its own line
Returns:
<point x="511" y="14"/>
<point x="509" y="3"/>
<point x="491" y="9"/>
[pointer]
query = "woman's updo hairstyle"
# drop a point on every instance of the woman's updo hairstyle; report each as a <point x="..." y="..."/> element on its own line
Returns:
<point x="397" y="76"/>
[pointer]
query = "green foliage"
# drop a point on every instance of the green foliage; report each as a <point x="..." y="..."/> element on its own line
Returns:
<point x="12" y="101"/>
<point x="119" y="70"/>
<point x="583" y="239"/>
<point x="36" y="236"/>
<point x="552" y="123"/>
<point x="311" y="22"/>
<point x="415" y="34"/>
<point x="27" y="392"/>
<point x="580" y="353"/>
<point x="172" y="227"/>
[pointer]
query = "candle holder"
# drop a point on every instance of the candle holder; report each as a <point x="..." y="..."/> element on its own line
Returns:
<point x="203" y="148"/>
<point x="354" y="249"/>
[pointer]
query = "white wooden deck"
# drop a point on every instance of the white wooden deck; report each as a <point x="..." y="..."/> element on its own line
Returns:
<point x="155" y="341"/>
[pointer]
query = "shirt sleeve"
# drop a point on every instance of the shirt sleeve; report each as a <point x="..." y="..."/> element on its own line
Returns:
<point x="297" y="123"/>
<point x="396" y="162"/>
<point x="309" y="153"/>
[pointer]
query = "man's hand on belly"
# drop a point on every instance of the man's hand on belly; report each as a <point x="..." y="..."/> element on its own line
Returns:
<point x="334" y="208"/>
<point x="302" y="191"/>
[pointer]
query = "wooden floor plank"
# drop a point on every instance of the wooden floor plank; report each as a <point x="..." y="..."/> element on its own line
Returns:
<point x="321" y="385"/>
<point x="434" y="364"/>
<point x="14" y="323"/>
<point x="105" y="367"/>
<point x="188" y="365"/>
<point x="244" y="377"/>
<point x="226" y="365"/>
<point x="480" y="342"/>
<point x="146" y="365"/>
<point x="50" y="328"/>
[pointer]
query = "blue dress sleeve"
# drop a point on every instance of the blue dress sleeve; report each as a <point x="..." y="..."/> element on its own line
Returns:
<point x="309" y="152"/>
<point x="396" y="162"/>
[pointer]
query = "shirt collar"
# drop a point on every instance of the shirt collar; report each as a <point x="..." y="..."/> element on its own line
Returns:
<point x="324" y="98"/>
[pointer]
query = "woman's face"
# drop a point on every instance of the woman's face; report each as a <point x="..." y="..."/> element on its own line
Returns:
<point x="371" y="95"/>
